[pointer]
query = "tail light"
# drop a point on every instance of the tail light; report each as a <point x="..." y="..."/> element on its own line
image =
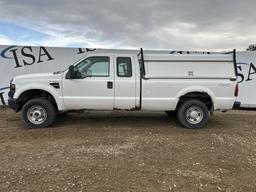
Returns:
<point x="236" y="90"/>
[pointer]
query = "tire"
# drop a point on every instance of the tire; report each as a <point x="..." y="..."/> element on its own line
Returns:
<point x="193" y="114"/>
<point x="171" y="113"/>
<point x="38" y="113"/>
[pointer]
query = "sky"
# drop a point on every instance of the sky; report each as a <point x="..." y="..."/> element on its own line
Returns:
<point x="210" y="25"/>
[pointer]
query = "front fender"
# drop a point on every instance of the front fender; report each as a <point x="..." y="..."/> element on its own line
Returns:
<point x="56" y="93"/>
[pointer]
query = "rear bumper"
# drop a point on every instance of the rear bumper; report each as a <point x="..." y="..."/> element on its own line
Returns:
<point x="12" y="103"/>
<point x="236" y="105"/>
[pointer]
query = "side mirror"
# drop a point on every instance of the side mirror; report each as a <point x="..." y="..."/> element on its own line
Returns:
<point x="71" y="72"/>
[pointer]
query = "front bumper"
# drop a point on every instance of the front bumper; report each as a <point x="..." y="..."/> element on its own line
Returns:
<point x="12" y="103"/>
<point x="236" y="105"/>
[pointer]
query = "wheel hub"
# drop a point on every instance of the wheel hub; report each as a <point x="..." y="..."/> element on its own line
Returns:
<point x="36" y="115"/>
<point x="194" y="115"/>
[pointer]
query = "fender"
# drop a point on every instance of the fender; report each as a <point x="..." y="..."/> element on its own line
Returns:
<point x="190" y="89"/>
<point x="43" y="87"/>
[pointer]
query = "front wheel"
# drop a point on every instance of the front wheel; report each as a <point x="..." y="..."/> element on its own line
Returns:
<point x="193" y="114"/>
<point x="38" y="113"/>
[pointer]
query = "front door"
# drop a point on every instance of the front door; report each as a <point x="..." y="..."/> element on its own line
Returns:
<point x="93" y="86"/>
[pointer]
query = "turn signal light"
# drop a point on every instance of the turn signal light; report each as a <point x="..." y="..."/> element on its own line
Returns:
<point x="12" y="87"/>
<point x="236" y="90"/>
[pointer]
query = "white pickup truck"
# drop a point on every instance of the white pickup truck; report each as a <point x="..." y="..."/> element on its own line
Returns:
<point x="190" y="86"/>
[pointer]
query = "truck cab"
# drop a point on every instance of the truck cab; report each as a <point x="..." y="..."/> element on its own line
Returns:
<point x="102" y="82"/>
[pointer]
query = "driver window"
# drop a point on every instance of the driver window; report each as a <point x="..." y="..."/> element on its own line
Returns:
<point x="97" y="66"/>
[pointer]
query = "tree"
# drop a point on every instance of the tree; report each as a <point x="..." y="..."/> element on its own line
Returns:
<point x="251" y="47"/>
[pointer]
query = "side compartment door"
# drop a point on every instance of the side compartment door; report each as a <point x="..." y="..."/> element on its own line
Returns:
<point x="125" y="83"/>
<point x="93" y="86"/>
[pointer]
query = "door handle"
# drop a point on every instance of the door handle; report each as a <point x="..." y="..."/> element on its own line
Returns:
<point x="110" y="85"/>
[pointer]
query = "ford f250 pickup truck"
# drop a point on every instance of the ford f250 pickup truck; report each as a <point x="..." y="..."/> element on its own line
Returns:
<point x="187" y="85"/>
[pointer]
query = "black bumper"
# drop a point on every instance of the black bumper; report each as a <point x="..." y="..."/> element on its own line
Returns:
<point x="236" y="105"/>
<point x="12" y="103"/>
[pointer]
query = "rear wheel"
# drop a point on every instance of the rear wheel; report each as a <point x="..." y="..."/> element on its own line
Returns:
<point x="38" y="113"/>
<point x="193" y="114"/>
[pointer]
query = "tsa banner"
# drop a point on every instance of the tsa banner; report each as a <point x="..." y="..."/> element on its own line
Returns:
<point x="246" y="69"/>
<point x="18" y="60"/>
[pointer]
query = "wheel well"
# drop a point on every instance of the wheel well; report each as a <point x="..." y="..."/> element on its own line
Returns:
<point x="202" y="96"/>
<point x="35" y="93"/>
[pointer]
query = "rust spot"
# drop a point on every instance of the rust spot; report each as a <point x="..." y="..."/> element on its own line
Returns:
<point x="117" y="109"/>
<point x="131" y="109"/>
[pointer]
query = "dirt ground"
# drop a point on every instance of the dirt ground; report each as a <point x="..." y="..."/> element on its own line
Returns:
<point x="128" y="151"/>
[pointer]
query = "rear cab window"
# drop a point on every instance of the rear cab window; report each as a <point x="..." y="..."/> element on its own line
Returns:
<point x="124" y="66"/>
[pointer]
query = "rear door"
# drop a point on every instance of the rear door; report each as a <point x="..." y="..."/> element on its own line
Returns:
<point x="125" y="82"/>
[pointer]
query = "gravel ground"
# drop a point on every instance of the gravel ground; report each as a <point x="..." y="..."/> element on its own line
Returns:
<point x="128" y="151"/>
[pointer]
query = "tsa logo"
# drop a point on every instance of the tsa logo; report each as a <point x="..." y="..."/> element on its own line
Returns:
<point x="5" y="52"/>
<point x="2" y="95"/>
<point x="26" y="55"/>
<point x="246" y="72"/>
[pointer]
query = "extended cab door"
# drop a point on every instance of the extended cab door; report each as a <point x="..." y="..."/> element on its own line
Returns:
<point x="93" y="86"/>
<point x="125" y="82"/>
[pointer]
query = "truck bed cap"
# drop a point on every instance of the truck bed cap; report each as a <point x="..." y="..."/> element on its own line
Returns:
<point x="189" y="57"/>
